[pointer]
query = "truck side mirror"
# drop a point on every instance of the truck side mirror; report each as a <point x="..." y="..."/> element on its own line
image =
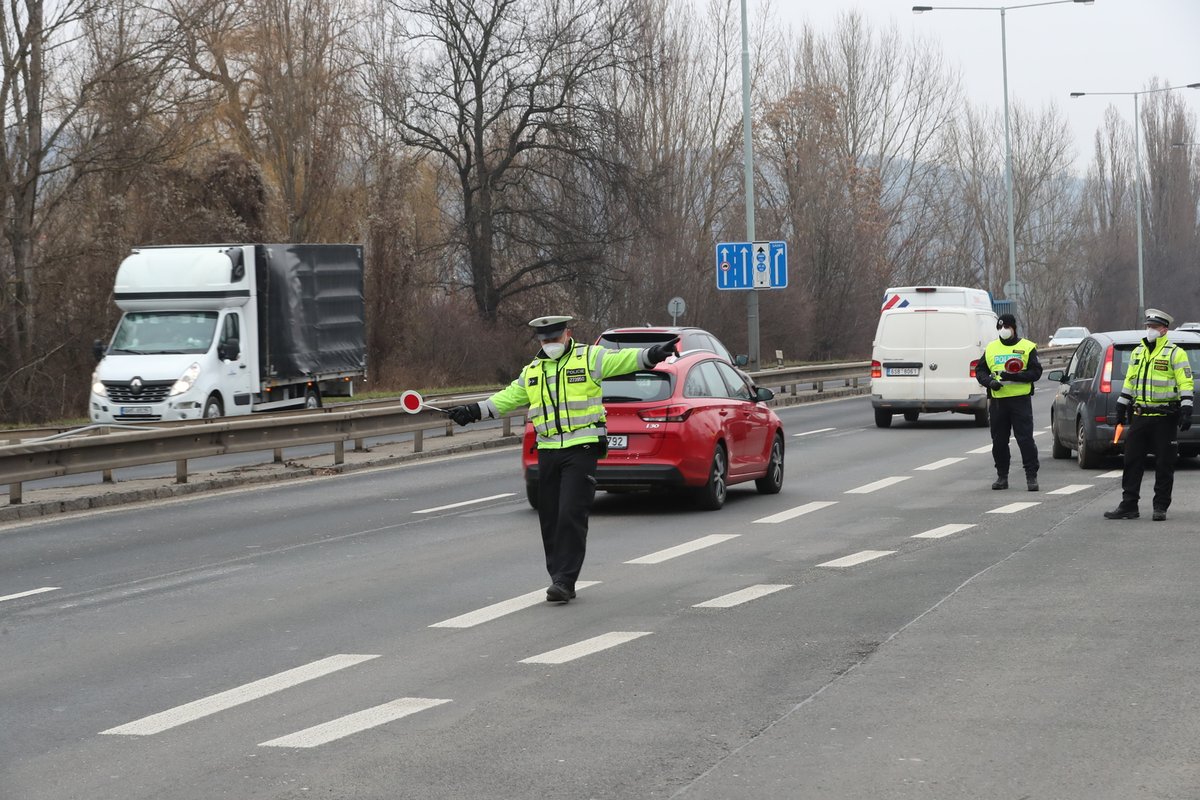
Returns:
<point x="229" y="350"/>
<point x="98" y="349"/>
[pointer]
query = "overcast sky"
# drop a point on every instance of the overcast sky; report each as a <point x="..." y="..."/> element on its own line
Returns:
<point x="1110" y="46"/>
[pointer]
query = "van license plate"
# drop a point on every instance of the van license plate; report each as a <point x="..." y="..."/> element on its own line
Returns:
<point x="135" y="411"/>
<point x="904" y="371"/>
<point x="618" y="442"/>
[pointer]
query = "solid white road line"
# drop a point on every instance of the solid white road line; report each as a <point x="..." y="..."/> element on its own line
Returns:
<point x="496" y="610"/>
<point x="945" y="462"/>
<point x="353" y="723"/>
<point x="1071" y="488"/>
<point x="684" y="549"/>
<point x="792" y="513"/>
<point x="1116" y="473"/>
<point x="877" y="485"/>
<point x="857" y="558"/>
<point x="818" y="430"/>
<point x="944" y="530"/>
<point x="586" y="647"/>
<point x="987" y="448"/>
<point x="30" y="592"/>
<point x="156" y="723"/>
<point x="743" y="596"/>
<point x="1039" y="433"/>
<point x="464" y="503"/>
<point x="1013" y="508"/>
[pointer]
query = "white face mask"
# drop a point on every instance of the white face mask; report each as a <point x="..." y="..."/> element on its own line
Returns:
<point x="1006" y="333"/>
<point x="1152" y="334"/>
<point x="554" y="350"/>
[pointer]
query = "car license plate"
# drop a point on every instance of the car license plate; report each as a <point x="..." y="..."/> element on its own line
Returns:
<point x="136" y="411"/>
<point x="618" y="442"/>
<point x="904" y="371"/>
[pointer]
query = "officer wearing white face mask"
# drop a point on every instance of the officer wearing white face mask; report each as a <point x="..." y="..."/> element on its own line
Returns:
<point x="1158" y="392"/>
<point x="561" y="388"/>
<point x="1009" y="368"/>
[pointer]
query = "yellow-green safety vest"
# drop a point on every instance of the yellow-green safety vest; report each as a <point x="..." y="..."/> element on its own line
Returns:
<point x="997" y="354"/>
<point x="564" y="395"/>
<point x="1158" y="376"/>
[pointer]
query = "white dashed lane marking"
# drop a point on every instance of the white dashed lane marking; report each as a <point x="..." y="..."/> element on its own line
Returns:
<point x="156" y="723"/>
<point x="944" y="530"/>
<point x="684" y="549"/>
<point x="945" y="462"/>
<point x="586" y="647"/>
<point x="1071" y="488"/>
<point x="464" y="503"/>
<point x="743" y="595"/>
<point x="497" y="610"/>
<point x="877" y="485"/>
<point x="1116" y="473"/>
<point x="857" y="558"/>
<point x="353" y="723"/>
<point x="30" y="593"/>
<point x="818" y="430"/>
<point x="792" y="513"/>
<point x="987" y="448"/>
<point x="1013" y="508"/>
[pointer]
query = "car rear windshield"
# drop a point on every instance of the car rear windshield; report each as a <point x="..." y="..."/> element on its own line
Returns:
<point x="1122" y="353"/>
<point x="637" y="387"/>
<point x="1064" y="333"/>
<point x="615" y="341"/>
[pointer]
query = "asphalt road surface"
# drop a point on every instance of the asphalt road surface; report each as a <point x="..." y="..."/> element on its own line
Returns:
<point x="886" y="627"/>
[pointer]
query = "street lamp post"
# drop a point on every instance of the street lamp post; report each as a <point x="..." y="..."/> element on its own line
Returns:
<point x="1137" y="178"/>
<point x="1008" y="165"/>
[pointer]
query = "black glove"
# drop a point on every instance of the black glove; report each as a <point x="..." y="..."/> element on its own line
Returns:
<point x="995" y="385"/>
<point x="1185" y="418"/>
<point x="465" y="415"/>
<point x="662" y="351"/>
<point x="1122" y="413"/>
<point x="1008" y="376"/>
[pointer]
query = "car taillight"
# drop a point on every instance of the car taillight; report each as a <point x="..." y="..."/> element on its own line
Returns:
<point x="876" y="369"/>
<point x="1106" y="375"/>
<point x="676" y="413"/>
<point x="974" y="364"/>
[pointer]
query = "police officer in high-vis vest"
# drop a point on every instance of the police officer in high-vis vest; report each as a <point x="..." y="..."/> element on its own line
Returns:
<point x="1158" y="395"/>
<point x="1009" y="368"/>
<point x="561" y="388"/>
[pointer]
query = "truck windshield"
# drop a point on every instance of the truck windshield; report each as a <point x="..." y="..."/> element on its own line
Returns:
<point x="165" y="332"/>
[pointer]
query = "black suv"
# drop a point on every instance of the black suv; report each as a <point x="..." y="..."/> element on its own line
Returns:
<point x="1084" y="414"/>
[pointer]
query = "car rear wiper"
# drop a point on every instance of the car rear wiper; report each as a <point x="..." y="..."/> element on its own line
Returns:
<point x="620" y="398"/>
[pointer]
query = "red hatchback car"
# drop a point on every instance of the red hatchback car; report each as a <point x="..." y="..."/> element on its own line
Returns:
<point x="693" y="422"/>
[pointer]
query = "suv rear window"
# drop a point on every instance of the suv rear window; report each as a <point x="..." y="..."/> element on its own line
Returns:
<point x="637" y="387"/>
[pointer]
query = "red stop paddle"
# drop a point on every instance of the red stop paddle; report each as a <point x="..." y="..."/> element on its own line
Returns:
<point x="412" y="403"/>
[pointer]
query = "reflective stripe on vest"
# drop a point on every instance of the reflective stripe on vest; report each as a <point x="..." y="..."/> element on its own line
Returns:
<point x="997" y="355"/>
<point x="1153" y="374"/>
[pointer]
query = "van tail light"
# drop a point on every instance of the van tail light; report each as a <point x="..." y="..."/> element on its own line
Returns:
<point x="876" y="369"/>
<point x="676" y="413"/>
<point x="974" y="364"/>
<point x="1106" y="375"/>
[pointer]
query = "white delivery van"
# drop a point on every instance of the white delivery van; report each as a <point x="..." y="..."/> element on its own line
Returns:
<point x="923" y="360"/>
<point x="936" y="296"/>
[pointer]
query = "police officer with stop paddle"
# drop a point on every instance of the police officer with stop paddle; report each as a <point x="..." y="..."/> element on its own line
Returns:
<point x="1009" y="368"/>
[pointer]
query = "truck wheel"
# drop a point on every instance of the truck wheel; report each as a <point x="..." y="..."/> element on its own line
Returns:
<point x="312" y="399"/>
<point x="213" y="407"/>
<point x="981" y="419"/>
<point x="883" y="418"/>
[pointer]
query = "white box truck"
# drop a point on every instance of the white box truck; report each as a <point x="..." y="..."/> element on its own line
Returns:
<point x="231" y="329"/>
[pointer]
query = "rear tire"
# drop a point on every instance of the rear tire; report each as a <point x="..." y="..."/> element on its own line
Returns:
<point x="1087" y="458"/>
<point x="312" y="399"/>
<point x="911" y="416"/>
<point x="883" y="418"/>
<point x="1057" y="450"/>
<point x="531" y="494"/>
<point x="711" y="496"/>
<point x="772" y="482"/>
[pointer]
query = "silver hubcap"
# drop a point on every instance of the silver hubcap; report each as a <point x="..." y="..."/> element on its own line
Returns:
<point x="718" y="476"/>
<point x="777" y="462"/>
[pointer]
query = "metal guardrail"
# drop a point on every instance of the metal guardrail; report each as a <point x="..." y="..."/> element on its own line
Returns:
<point x="104" y="450"/>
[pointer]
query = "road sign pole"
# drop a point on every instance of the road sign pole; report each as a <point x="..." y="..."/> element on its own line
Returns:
<point x="748" y="167"/>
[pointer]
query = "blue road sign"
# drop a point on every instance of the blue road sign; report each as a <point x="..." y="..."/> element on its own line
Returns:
<point x="751" y="265"/>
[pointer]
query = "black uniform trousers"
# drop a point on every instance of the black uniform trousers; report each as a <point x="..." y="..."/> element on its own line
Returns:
<point x="566" y="489"/>
<point x="1013" y="415"/>
<point x="1150" y="434"/>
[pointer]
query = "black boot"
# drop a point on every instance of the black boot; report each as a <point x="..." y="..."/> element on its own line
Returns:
<point x="1122" y="512"/>
<point x="1031" y="483"/>
<point x="1001" y="482"/>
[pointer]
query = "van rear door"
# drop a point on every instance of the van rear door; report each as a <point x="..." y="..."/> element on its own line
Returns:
<point x="952" y="343"/>
<point x="900" y="351"/>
